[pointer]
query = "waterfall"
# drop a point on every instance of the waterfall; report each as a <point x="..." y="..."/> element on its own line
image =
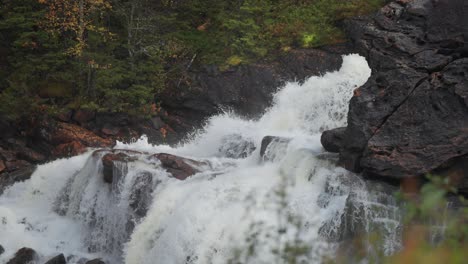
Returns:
<point x="238" y="206"/>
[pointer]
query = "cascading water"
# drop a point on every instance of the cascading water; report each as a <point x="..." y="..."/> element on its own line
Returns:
<point x="238" y="207"/>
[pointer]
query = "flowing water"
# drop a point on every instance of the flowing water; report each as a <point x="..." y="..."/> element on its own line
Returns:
<point x="241" y="207"/>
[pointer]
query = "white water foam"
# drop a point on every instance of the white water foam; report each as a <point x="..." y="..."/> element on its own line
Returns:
<point x="212" y="217"/>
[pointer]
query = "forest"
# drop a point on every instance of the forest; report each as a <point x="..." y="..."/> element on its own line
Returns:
<point x="118" y="55"/>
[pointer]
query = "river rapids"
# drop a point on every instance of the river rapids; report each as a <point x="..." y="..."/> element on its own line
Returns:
<point x="240" y="208"/>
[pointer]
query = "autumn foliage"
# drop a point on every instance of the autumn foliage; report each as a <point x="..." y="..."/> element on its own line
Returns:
<point x="74" y="18"/>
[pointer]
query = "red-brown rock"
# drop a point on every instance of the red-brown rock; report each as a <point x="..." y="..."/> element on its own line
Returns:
<point x="7" y="154"/>
<point x="16" y="164"/>
<point x="2" y="166"/>
<point x="180" y="168"/>
<point x="69" y="149"/>
<point x="30" y="155"/>
<point x="83" y="116"/>
<point x="109" y="160"/>
<point x="65" y="116"/>
<point x="110" y="131"/>
<point x="69" y="132"/>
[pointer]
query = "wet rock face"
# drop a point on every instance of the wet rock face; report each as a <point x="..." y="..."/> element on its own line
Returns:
<point x="411" y="117"/>
<point x="236" y="147"/>
<point x="140" y="198"/>
<point x="109" y="164"/>
<point x="180" y="168"/>
<point x="23" y="256"/>
<point x="59" y="259"/>
<point x="273" y="142"/>
<point x="369" y="206"/>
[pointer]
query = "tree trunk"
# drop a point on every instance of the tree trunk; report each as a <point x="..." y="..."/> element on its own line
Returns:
<point x="81" y="25"/>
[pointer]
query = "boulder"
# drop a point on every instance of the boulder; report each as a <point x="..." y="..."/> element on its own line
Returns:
<point x="2" y="250"/>
<point x="95" y="261"/>
<point x="180" y="168"/>
<point x="84" y="116"/>
<point x="141" y="195"/>
<point x="59" y="259"/>
<point x="236" y="147"/>
<point x="109" y="164"/>
<point x="23" y="256"/>
<point x="21" y="174"/>
<point x="411" y="117"/>
<point x="279" y="143"/>
<point x="110" y="130"/>
<point x="65" y="116"/>
<point x="332" y="140"/>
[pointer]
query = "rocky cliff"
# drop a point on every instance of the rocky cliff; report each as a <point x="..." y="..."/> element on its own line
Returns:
<point x="411" y="117"/>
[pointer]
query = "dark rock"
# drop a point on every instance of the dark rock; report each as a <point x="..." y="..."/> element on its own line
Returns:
<point x="7" y="155"/>
<point x="410" y="118"/>
<point x="30" y="155"/>
<point x="247" y="90"/>
<point x="21" y="174"/>
<point x="2" y="250"/>
<point x="65" y="116"/>
<point x="157" y="122"/>
<point x="96" y="261"/>
<point x="7" y="130"/>
<point x="16" y="165"/>
<point x="141" y="198"/>
<point x="268" y="142"/>
<point x="236" y="147"/>
<point x="457" y="171"/>
<point x="23" y="256"/>
<point x="59" y="259"/>
<point x="180" y="168"/>
<point x="19" y="150"/>
<point x="110" y="130"/>
<point x="332" y="140"/>
<point x="83" y="116"/>
<point x="2" y="166"/>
